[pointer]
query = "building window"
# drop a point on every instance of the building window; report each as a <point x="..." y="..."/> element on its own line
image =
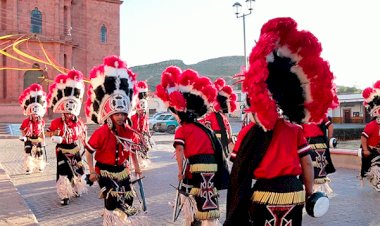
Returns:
<point x="103" y="34"/>
<point x="65" y="60"/>
<point x="36" y="21"/>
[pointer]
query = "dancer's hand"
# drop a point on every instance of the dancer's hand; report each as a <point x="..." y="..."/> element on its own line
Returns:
<point x="93" y="177"/>
<point x="366" y="153"/>
<point x="180" y="176"/>
<point x="138" y="174"/>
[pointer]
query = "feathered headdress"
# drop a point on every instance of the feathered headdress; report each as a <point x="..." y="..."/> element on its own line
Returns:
<point x="186" y="91"/>
<point x="142" y="87"/>
<point x="111" y="90"/>
<point x="142" y="90"/>
<point x="287" y="73"/>
<point x="226" y="98"/>
<point x="66" y="93"/>
<point x="33" y="100"/>
<point x="372" y="99"/>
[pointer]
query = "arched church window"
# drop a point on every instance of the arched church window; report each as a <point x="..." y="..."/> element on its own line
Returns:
<point x="36" y="21"/>
<point x="103" y="34"/>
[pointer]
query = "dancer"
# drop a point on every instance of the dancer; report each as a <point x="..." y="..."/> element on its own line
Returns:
<point x="65" y="96"/>
<point x="217" y="120"/>
<point x="318" y="140"/>
<point x="188" y="96"/>
<point x="140" y="122"/>
<point x="370" y="138"/>
<point x="33" y="102"/>
<point x="111" y="97"/>
<point x="287" y="83"/>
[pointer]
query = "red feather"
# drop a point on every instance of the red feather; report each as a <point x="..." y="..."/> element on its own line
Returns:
<point x="188" y="77"/>
<point x="114" y="61"/>
<point x="377" y="85"/>
<point x="232" y="106"/>
<point x="95" y="70"/>
<point x="177" y="101"/>
<point x="219" y="83"/>
<point x="170" y="76"/>
<point x="367" y="92"/>
<point x="142" y="85"/>
<point x="75" y="75"/>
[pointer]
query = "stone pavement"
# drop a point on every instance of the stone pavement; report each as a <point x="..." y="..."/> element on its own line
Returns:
<point x="353" y="205"/>
<point x="20" y="213"/>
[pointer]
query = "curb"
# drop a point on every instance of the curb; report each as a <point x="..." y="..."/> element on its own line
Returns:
<point x="346" y="158"/>
<point x="13" y="208"/>
<point x="8" y="137"/>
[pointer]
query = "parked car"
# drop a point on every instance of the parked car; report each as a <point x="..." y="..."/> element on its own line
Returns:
<point x="155" y="117"/>
<point x="164" y="123"/>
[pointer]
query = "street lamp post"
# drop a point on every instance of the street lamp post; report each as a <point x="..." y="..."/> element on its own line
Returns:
<point x="239" y="14"/>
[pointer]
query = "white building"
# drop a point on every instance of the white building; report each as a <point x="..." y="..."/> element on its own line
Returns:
<point x="350" y="109"/>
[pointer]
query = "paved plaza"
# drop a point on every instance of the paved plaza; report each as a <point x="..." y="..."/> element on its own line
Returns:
<point x="353" y="205"/>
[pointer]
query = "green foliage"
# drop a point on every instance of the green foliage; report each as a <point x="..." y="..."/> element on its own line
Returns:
<point x="348" y="90"/>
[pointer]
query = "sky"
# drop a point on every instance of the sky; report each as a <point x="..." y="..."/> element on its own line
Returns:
<point x="152" y="31"/>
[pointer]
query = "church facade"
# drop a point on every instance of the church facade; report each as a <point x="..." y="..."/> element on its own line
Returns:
<point x="67" y="33"/>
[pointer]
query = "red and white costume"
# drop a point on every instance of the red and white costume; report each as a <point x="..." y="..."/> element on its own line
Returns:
<point x="189" y="96"/>
<point x="287" y="83"/>
<point x="103" y="143"/>
<point x="33" y="102"/>
<point x="65" y="96"/>
<point x="225" y="103"/>
<point x="370" y="138"/>
<point x="112" y="143"/>
<point x="140" y="122"/>
<point x="315" y="134"/>
<point x="140" y="117"/>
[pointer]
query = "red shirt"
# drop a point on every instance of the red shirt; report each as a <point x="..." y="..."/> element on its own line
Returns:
<point x="372" y="133"/>
<point x="140" y="122"/>
<point x="283" y="155"/>
<point x="313" y="129"/>
<point x="194" y="140"/>
<point x="210" y="119"/>
<point x="103" y="141"/>
<point x="32" y="128"/>
<point x="70" y="131"/>
<point x="240" y="138"/>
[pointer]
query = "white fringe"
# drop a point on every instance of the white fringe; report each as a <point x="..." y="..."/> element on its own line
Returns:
<point x="29" y="163"/>
<point x="79" y="185"/>
<point x="373" y="176"/>
<point x="189" y="208"/>
<point x="214" y="222"/>
<point x="40" y="163"/>
<point x="64" y="188"/>
<point x="325" y="188"/>
<point x="117" y="218"/>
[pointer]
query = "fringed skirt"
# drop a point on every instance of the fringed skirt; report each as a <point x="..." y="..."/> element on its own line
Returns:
<point x="69" y="171"/>
<point x="115" y="187"/>
<point x="277" y="201"/>
<point x="33" y="154"/>
<point x="202" y="182"/>
<point x="118" y="194"/>
<point x="371" y="168"/>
